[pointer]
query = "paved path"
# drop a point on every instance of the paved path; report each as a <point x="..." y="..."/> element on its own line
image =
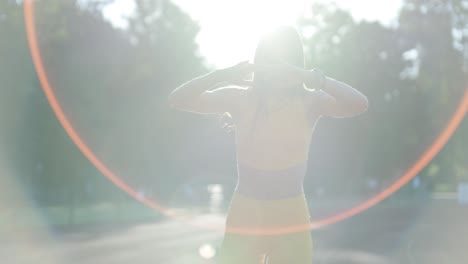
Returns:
<point x="429" y="234"/>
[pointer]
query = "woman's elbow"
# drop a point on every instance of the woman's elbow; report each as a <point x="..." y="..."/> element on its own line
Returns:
<point x="172" y="100"/>
<point x="359" y="106"/>
<point x="364" y="104"/>
<point x="175" y="101"/>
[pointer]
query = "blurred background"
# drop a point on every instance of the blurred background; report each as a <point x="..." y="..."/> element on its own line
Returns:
<point x="112" y="64"/>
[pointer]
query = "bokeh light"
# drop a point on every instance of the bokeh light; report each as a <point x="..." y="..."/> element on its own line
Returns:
<point x="207" y="251"/>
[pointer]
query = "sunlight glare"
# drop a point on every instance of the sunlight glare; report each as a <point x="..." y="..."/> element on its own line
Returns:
<point x="229" y="29"/>
<point x="118" y="11"/>
<point x="240" y="22"/>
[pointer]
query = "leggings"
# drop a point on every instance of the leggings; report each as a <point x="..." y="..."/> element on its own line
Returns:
<point x="246" y="212"/>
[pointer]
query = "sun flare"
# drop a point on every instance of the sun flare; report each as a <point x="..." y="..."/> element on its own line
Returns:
<point x="232" y="28"/>
<point x="229" y="29"/>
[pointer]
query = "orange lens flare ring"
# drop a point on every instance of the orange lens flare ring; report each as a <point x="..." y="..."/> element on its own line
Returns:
<point x="425" y="158"/>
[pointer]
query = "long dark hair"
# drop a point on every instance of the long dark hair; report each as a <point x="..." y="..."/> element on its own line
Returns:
<point x="280" y="45"/>
<point x="283" y="44"/>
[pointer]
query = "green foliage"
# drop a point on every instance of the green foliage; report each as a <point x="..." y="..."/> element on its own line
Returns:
<point x="413" y="76"/>
<point x="112" y="86"/>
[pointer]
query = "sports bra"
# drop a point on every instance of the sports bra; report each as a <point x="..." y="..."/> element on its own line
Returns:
<point x="276" y="137"/>
<point x="273" y="146"/>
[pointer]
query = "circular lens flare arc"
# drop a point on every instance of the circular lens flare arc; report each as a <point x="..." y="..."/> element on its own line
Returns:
<point x="427" y="156"/>
<point x="47" y="88"/>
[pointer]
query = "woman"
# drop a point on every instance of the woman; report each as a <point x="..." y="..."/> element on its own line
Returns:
<point x="274" y="116"/>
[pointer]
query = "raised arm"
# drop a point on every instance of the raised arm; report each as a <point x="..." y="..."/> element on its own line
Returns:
<point x="329" y="97"/>
<point x="334" y="98"/>
<point x="197" y="95"/>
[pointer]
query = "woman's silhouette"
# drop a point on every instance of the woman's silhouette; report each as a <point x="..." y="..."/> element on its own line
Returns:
<point x="274" y="117"/>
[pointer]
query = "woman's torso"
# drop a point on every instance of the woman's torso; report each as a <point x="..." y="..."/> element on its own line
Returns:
<point x="272" y="142"/>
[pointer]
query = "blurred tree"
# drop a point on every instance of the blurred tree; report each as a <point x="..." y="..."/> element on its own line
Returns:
<point x="112" y="84"/>
<point x="365" y="55"/>
<point x="17" y="82"/>
<point x="436" y="32"/>
<point x="413" y="76"/>
<point x="60" y="171"/>
<point x="165" y="55"/>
